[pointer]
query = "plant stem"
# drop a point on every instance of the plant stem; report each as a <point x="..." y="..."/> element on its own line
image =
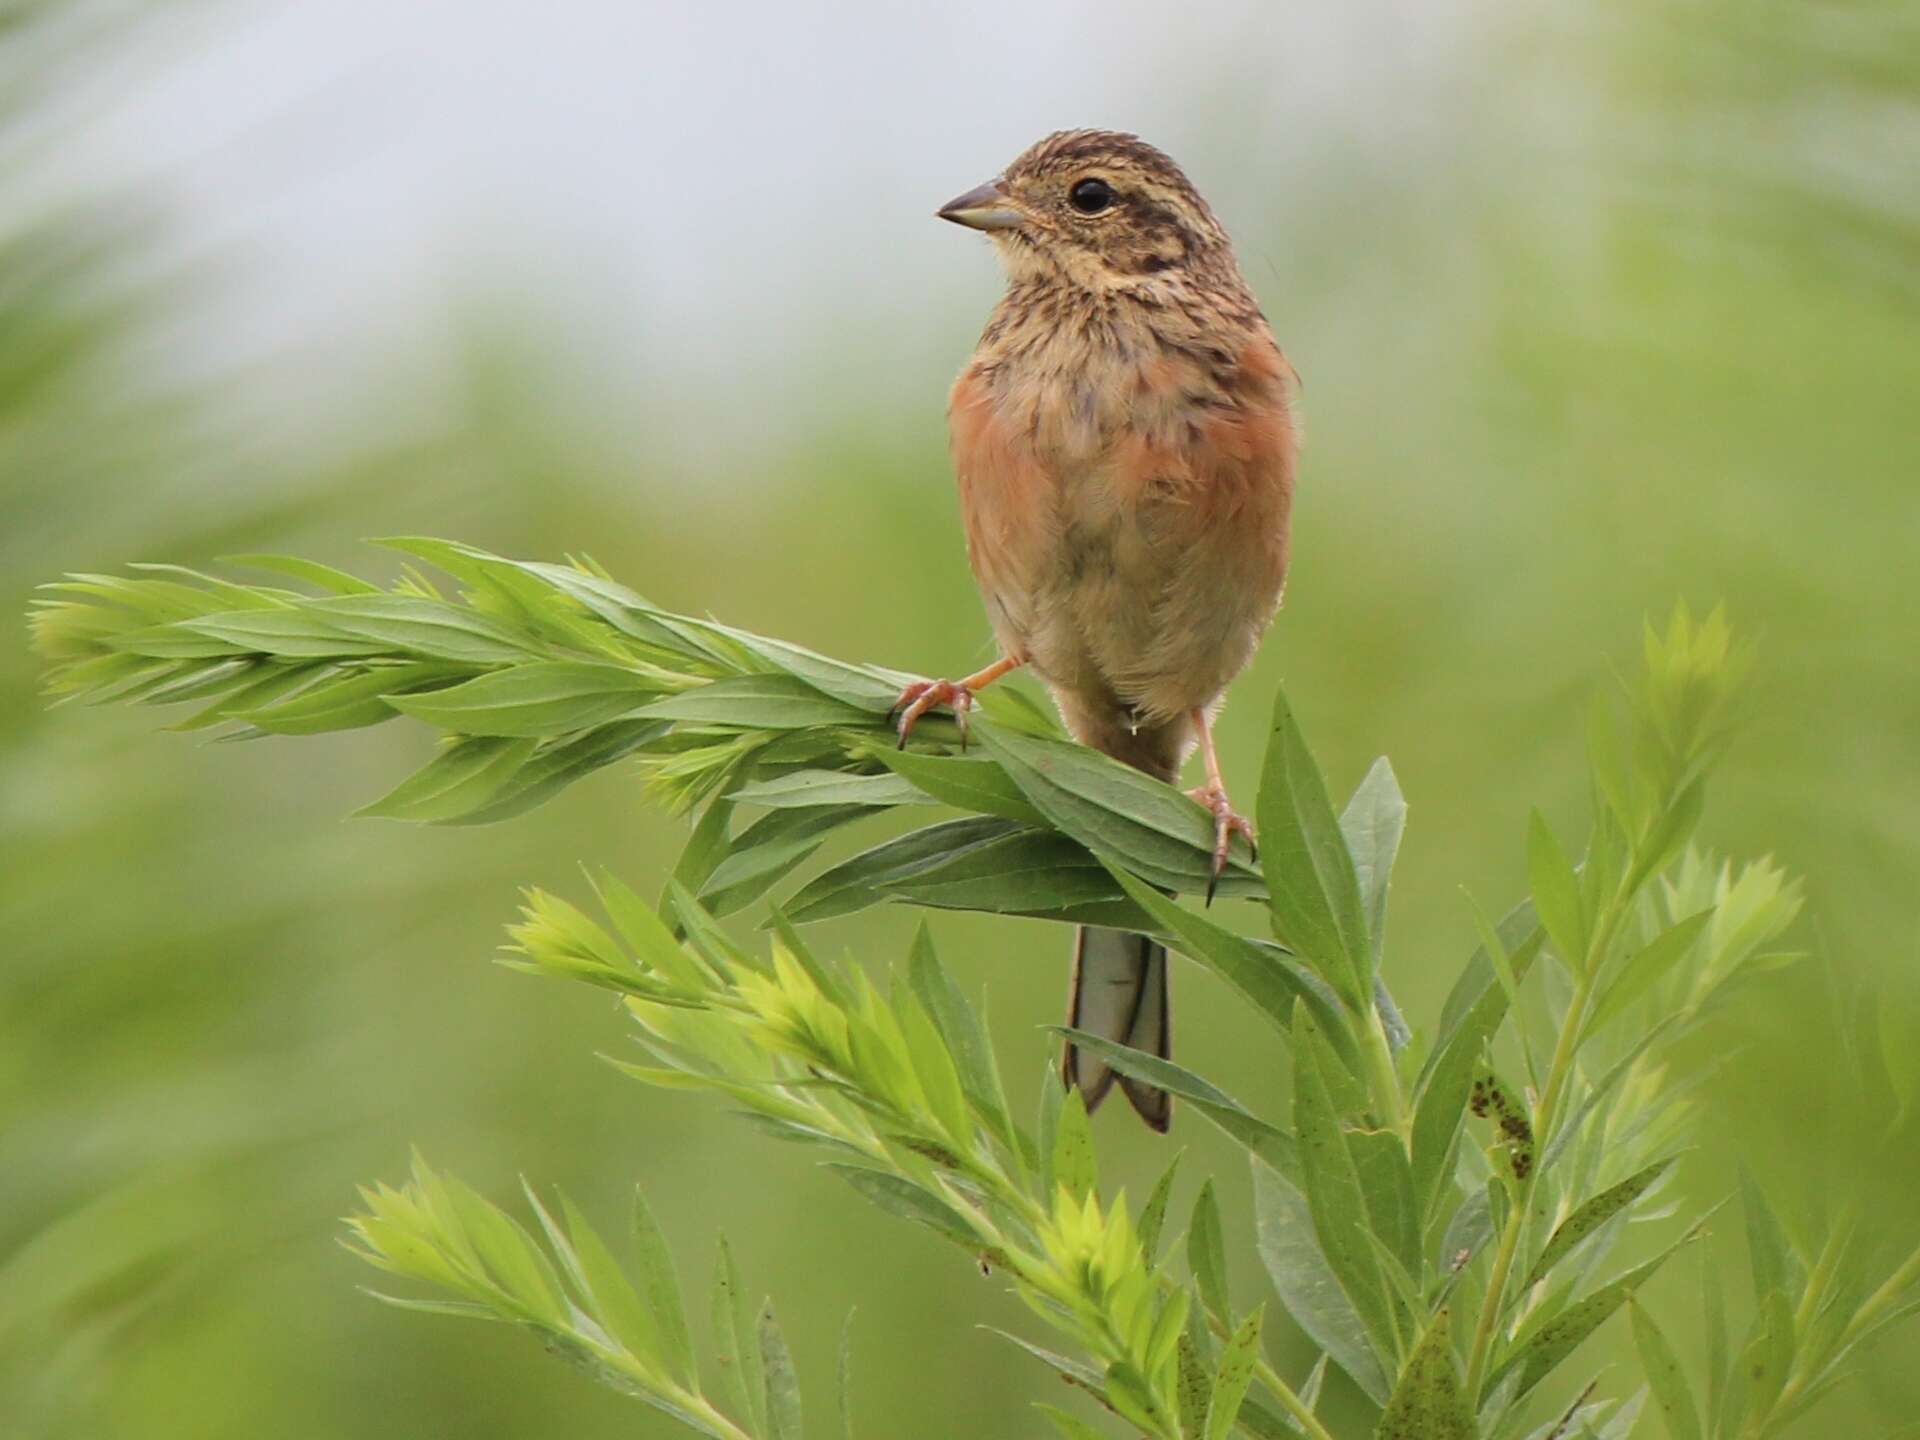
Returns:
<point x="1308" y="1422"/>
<point x="1383" y="1081"/>
<point x="1544" y="1115"/>
<point x="1871" y="1309"/>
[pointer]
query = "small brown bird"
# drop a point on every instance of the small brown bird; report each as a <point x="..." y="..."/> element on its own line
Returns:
<point x="1125" y="450"/>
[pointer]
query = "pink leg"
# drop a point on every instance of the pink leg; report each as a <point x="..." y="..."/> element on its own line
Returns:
<point x="1213" y="796"/>
<point x="923" y="695"/>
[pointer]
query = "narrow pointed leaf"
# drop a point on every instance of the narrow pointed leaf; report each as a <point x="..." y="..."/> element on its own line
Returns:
<point x="1230" y="1382"/>
<point x="1267" y="1142"/>
<point x="1153" y="1214"/>
<point x="856" y="884"/>
<point x="1312" y="890"/>
<point x="660" y="1288"/>
<point x="1556" y="893"/>
<point x="1333" y="1189"/>
<point x="1149" y="827"/>
<point x="1207" y="1253"/>
<point x="1307" y="1284"/>
<point x="783" y="1386"/>
<point x="1428" y="1404"/>
<point x="804" y="788"/>
<point x="1372" y="824"/>
<point x="1073" y="1160"/>
<point x="736" y="1346"/>
<point x="1672" y="1396"/>
<point x="549" y="697"/>
<point x="758" y="702"/>
<point x="1590" y="1216"/>
<point x="966" y="1037"/>
<point x="1271" y="979"/>
<point x="978" y="786"/>
<point x="1070" y="1426"/>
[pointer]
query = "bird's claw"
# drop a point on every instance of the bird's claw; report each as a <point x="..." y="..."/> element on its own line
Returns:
<point x="1226" y="824"/>
<point x="921" y="696"/>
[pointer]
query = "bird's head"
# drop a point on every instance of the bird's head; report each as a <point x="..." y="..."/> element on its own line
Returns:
<point x="1099" y="208"/>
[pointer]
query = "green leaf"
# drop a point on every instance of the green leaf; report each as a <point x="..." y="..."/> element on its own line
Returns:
<point x="1775" y="1267"/>
<point x="1714" y="1306"/>
<point x="1074" y="1372"/>
<point x="1266" y="1141"/>
<point x="735" y="1345"/>
<point x="290" y="632"/>
<point x="1053" y="1095"/>
<point x="758" y="702"/>
<point x="463" y="778"/>
<point x="979" y="786"/>
<point x="1669" y="835"/>
<point x="1380" y="1160"/>
<point x="1566" y="1128"/>
<point x="863" y="686"/>
<point x="1149" y="827"/>
<point x="1590" y="1216"/>
<point x="1072" y="1427"/>
<point x="553" y="767"/>
<point x="901" y="1197"/>
<point x="844" y="1378"/>
<point x="1314" y="893"/>
<point x="855" y="884"/>
<point x="661" y="1287"/>
<point x="966" y="1038"/>
<point x="412" y="625"/>
<point x="1538" y="1350"/>
<point x="1153" y="1214"/>
<point x="1672" y="1396"/>
<point x="1428" y="1404"/>
<point x="550" y="697"/>
<point x="1768" y="1357"/>
<point x="615" y="1304"/>
<point x="934" y="1066"/>
<point x="1030" y="872"/>
<point x="1073" y="1159"/>
<point x="1207" y="1254"/>
<point x="769" y="850"/>
<point x="1193" y="1379"/>
<point x="1230" y="1382"/>
<point x="1643" y="969"/>
<point x="707" y="845"/>
<point x="1307" y="1285"/>
<point x="1556" y="893"/>
<point x="1266" y="976"/>
<point x="1372" y="824"/>
<point x="805" y="788"/>
<point x="345" y="701"/>
<point x="783" y="1386"/>
<point x="325" y="577"/>
<point x="1333" y="1189"/>
<point x="1133" y="1399"/>
<point x="1518" y="930"/>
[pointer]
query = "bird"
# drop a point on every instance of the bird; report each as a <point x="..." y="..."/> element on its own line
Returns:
<point x="1124" y="446"/>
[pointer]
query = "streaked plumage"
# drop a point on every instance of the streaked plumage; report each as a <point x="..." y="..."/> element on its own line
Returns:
<point x="1124" y="449"/>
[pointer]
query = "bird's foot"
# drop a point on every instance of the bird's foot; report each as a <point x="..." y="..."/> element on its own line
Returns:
<point x="922" y="695"/>
<point x="1212" y="797"/>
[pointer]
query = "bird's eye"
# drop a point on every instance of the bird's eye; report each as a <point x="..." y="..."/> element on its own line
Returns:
<point x="1090" y="197"/>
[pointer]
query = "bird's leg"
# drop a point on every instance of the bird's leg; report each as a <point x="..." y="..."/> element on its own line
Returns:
<point x="922" y="695"/>
<point x="1213" y="796"/>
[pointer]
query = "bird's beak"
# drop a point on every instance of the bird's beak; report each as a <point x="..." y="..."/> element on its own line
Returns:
<point x="986" y="207"/>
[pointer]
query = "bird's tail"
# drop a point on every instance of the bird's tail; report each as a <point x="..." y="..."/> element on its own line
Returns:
<point x="1120" y="993"/>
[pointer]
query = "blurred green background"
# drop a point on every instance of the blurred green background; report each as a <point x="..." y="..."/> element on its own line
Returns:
<point x="1595" y="310"/>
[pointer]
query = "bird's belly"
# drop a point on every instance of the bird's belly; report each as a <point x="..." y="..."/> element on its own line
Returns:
<point x="1150" y="602"/>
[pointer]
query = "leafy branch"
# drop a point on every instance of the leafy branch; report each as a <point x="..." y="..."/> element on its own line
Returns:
<point x="1450" y="1271"/>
